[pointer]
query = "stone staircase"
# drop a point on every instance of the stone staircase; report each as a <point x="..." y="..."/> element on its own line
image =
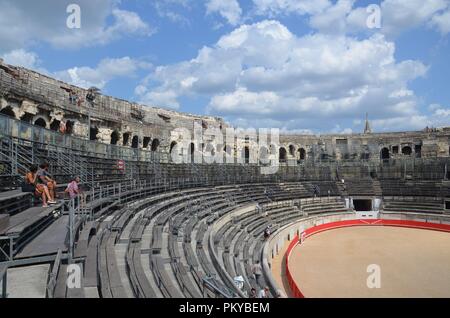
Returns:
<point x="377" y="188"/>
<point x="342" y="189"/>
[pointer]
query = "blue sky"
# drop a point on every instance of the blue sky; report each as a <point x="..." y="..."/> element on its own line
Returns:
<point x="299" y="65"/>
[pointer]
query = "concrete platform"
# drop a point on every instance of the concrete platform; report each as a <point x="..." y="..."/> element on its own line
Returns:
<point x="28" y="282"/>
<point x="49" y="241"/>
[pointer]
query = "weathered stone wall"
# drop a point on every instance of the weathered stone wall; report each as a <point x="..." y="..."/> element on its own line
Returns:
<point x="39" y="99"/>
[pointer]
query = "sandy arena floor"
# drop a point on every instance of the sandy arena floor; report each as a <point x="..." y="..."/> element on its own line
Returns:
<point x="413" y="263"/>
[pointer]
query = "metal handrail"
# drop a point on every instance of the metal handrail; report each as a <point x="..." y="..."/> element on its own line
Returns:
<point x="4" y="279"/>
<point x="30" y="133"/>
<point x="210" y="284"/>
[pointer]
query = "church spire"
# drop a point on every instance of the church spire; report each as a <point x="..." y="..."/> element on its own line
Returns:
<point x="367" y="129"/>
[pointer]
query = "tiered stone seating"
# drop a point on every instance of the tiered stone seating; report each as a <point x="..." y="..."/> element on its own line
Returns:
<point x="416" y="188"/>
<point x="329" y="205"/>
<point x="414" y="206"/>
<point x="162" y="241"/>
<point x="360" y="187"/>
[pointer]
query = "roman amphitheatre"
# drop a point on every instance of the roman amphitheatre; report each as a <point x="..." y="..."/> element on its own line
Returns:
<point x="144" y="225"/>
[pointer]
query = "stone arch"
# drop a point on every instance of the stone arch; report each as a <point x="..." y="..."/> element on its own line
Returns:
<point x="173" y="144"/>
<point x="8" y="111"/>
<point x="407" y="151"/>
<point x="41" y="122"/>
<point x="282" y="154"/>
<point x="55" y="124"/>
<point x="192" y="150"/>
<point x="246" y="154"/>
<point x="155" y="144"/>
<point x="385" y="154"/>
<point x="302" y="154"/>
<point x="418" y="151"/>
<point x="146" y="142"/>
<point x="135" y="142"/>
<point x="69" y="127"/>
<point x="125" y="138"/>
<point x="115" y="137"/>
<point x="93" y="132"/>
<point x="27" y="118"/>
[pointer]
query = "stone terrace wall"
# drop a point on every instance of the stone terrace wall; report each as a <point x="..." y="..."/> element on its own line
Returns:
<point x="39" y="99"/>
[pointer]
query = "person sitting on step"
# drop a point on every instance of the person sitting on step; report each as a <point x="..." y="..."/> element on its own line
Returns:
<point x="39" y="189"/>
<point x="44" y="177"/>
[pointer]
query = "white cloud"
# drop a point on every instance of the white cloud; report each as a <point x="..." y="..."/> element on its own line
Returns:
<point x="333" y="19"/>
<point x="83" y="76"/>
<point x="166" y="99"/>
<point x="174" y="10"/>
<point x="21" y="57"/>
<point x="263" y="71"/>
<point x="303" y="7"/>
<point x="442" y="22"/>
<point x="440" y="111"/>
<point x="105" y="71"/>
<point x="439" y="116"/>
<point x="400" y="15"/>
<point x="24" y="23"/>
<point x="230" y="10"/>
<point x="344" y="16"/>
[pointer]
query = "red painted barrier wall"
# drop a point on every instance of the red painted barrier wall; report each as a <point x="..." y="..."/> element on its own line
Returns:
<point x="295" y="290"/>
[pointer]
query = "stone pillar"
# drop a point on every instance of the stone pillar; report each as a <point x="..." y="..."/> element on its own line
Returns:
<point x="28" y="107"/>
<point x="104" y="135"/>
<point x="80" y="130"/>
<point x="3" y="103"/>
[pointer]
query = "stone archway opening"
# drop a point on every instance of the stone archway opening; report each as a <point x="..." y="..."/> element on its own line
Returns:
<point x="192" y="151"/>
<point x="146" y="142"/>
<point x="302" y="154"/>
<point x="40" y="122"/>
<point x="125" y="139"/>
<point x="55" y="125"/>
<point x="93" y="132"/>
<point x="69" y="127"/>
<point x="8" y="111"/>
<point x="155" y="145"/>
<point x="246" y="153"/>
<point x="282" y="154"/>
<point x="27" y="118"/>
<point x="407" y="151"/>
<point x="385" y="155"/>
<point x="172" y="146"/>
<point x="114" y="137"/>
<point x="135" y="142"/>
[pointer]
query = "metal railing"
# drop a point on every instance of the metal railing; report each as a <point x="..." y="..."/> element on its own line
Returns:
<point x="4" y="279"/>
<point x="209" y="284"/>
<point x="35" y="134"/>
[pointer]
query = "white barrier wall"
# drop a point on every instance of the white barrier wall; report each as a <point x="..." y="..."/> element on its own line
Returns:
<point x="276" y="243"/>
